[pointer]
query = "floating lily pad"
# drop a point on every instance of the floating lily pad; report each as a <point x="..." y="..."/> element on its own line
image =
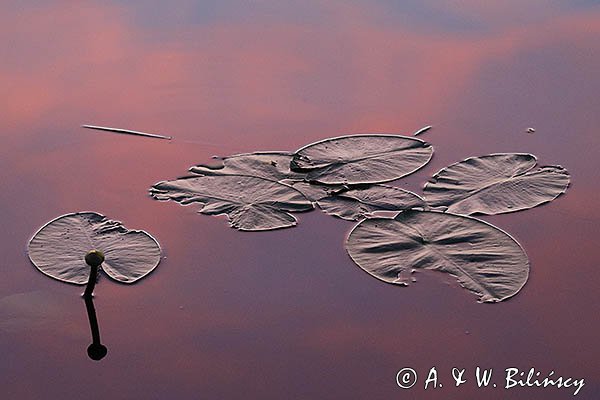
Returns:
<point x="359" y="159"/>
<point x="251" y="203"/>
<point x="495" y="184"/>
<point x="59" y="248"/>
<point x="358" y="203"/>
<point x="484" y="259"/>
<point x="269" y="165"/>
<point x="314" y="191"/>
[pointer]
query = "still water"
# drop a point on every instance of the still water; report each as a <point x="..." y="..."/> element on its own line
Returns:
<point x="286" y="314"/>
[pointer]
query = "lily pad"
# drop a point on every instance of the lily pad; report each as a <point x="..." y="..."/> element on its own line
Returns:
<point x="359" y="159"/>
<point x="358" y="203"/>
<point x="251" y="203"/>
<point x="314" y="191"/>
<point x="484" y="259"/>
<point x="269" y="165"/>
<point x="495" y="184"/>
<point x="59" y="248"/>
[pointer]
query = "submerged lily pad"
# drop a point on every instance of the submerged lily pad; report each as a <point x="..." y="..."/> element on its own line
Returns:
<point x="360" y="159"/>
<point x="495" y="184"/>
<point x="59" y="248"/>
<point x="484" y="259"/>
<point x="251" y="203"/>
<point x="358" y="203"/>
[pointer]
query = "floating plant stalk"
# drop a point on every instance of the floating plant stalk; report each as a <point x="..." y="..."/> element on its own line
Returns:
<point x="126" y="131"/>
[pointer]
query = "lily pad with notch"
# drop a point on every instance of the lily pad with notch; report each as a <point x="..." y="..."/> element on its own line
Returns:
<point x="484" y="259"/>
<point x="495" y="184"/>
<point x="59" y="249"/>
<point x="74" y="247"/>
<point x="361" y="159"/>
<point x="251" y="203"/>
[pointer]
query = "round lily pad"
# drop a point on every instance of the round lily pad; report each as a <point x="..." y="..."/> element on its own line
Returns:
<point x="495" y="184"/>
<point x="484" y="259"/>
<point x="58" y="249"/>
<point x="360" y="159"/>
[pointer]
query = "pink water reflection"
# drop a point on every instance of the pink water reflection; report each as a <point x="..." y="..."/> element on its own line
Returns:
<point x="286" y="314"/>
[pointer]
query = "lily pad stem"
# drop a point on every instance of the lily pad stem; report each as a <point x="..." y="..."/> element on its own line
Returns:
<point x="89" y="289"/>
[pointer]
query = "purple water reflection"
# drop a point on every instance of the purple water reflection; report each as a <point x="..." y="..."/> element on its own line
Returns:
<point x="287" y="314"/>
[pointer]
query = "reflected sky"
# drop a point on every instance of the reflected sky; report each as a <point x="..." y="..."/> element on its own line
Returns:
<point x="287" y="314"/>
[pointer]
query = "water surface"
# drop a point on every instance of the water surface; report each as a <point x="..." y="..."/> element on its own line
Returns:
<point x="287" y="314"/>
